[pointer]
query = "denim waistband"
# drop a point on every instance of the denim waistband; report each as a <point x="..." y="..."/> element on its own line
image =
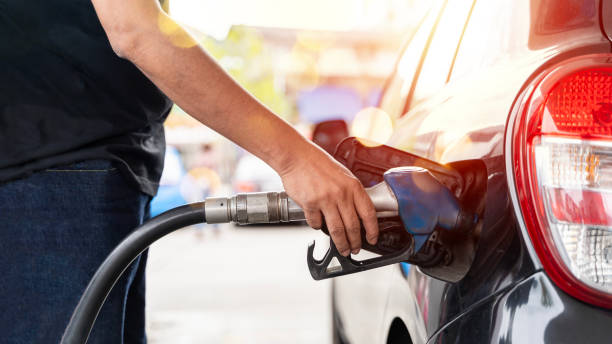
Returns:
<point x="98" y="165"/>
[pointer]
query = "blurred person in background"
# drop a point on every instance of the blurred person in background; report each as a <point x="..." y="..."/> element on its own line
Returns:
<point x="85" y="88"/>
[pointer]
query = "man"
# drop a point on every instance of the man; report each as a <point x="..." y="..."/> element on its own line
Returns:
<point x="84" y="89"/>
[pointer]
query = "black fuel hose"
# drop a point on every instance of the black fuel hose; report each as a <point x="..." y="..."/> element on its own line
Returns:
<point x="86" y="312"/>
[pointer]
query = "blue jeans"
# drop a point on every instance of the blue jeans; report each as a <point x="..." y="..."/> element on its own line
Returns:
<point x="56" y="227"/>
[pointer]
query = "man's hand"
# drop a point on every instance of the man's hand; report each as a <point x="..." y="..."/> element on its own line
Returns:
<point x="141" y="32"/>
<point x="322" y="186"/>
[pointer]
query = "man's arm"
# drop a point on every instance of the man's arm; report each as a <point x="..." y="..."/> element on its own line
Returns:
<point x="141" y="32"/>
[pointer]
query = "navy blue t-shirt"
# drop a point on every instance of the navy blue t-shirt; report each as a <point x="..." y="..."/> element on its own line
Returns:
<point x="65" y="96"/>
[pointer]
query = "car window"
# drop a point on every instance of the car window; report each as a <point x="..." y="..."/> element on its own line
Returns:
<point x="433" y="74"/>
<point x="492" y="34"/>
<point x="398" y="88"/>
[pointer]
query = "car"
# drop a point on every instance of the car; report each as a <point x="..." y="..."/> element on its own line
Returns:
<point x="525" y="87"/>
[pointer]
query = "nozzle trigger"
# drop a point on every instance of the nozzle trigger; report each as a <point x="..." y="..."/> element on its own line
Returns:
<point x="321" y="269"/>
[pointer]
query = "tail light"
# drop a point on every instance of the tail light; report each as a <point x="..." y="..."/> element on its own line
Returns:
<point x="562" y="163"/>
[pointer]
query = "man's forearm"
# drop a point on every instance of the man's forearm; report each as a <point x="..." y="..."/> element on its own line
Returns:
<point x="174" y="61"/>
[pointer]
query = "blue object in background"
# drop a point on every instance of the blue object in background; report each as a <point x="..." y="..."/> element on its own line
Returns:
<point x="405" y="268"/>
<point x="169" y="195"/>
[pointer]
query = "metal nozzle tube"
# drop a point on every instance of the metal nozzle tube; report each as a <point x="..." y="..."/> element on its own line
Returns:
<point x="272" y="207"/>
<point x="250" y="208"/>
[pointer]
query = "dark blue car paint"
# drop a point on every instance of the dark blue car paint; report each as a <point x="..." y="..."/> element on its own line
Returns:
<point x="533" y="310"/>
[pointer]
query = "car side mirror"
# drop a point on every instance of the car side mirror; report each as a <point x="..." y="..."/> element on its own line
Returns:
<point x="328" y="134"/>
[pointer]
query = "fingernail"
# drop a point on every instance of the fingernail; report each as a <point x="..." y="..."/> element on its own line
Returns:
<point x="355" y="251"/>
<point x="345" y="253"/>
<point x="373" y="240"/>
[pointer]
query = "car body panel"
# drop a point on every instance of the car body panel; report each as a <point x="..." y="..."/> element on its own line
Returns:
<point x="500" y="261"/>
<point x="405" y="302"/>
<point x="467" y="119"/>
<point x="371" y="301"/>
<point x="399" y="85"/>
<point x="532" y="311"/>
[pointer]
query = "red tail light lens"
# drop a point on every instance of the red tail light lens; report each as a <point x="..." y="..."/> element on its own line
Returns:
<point x="562" y="154"/>
<point x="580" y="105"/>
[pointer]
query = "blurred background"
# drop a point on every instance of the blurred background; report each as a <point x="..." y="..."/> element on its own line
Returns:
<point x="310" y="62"/>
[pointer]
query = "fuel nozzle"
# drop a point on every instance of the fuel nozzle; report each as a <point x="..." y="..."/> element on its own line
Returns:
<point x="423" y="204"/>
<point x="412" y="194"/>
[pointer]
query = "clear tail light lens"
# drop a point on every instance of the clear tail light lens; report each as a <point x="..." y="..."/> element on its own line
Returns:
<point x="578" y="206"/>
<point x="562" y="152"/>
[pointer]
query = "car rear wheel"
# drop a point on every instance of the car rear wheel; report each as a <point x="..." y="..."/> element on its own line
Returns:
<point x="398" y="333"/>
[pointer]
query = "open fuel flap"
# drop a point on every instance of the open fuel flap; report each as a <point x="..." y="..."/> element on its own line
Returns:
<point x="440" y="253"/>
